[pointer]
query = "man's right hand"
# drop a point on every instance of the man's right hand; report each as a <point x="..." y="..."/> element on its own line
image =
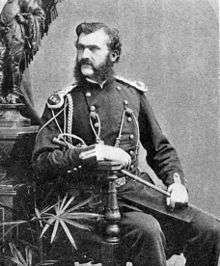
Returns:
<point x="101" y="152"/>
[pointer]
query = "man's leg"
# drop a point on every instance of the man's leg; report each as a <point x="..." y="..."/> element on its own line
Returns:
<point x="203" y="243"/>
<point x="142" y="241"/>
<point x="199" y="240"/>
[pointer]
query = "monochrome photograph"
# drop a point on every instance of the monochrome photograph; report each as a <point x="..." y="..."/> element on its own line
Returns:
<point x="109" y="133"/>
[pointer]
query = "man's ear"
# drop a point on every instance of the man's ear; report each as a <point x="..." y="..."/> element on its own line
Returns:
<point x="114" y="56"/>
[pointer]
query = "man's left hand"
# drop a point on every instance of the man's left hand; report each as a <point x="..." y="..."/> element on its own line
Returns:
<point x="178" y="195"/>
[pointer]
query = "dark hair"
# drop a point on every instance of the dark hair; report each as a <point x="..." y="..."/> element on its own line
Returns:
<point x="87" y="28"/>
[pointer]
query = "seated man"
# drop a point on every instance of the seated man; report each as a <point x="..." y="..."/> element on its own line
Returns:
<point x="111" y="117"/>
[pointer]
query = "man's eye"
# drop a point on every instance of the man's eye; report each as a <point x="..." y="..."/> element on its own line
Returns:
<point x="79" y="47"/>
<point x="94" y="49"/>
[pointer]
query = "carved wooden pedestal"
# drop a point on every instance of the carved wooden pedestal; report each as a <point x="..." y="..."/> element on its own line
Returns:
<point x="16" y="143"/>
<point x="112" y="214"/>
<point x="7" y="194"/>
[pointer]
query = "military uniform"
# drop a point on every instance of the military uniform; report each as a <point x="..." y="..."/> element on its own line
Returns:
<point x="118" y="113"/>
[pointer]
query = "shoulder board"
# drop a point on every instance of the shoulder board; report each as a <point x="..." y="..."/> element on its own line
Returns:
<point x="135" y="84"/>
<point x="56" y="100"/>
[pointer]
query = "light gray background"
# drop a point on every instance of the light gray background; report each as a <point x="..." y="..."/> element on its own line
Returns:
<point x="172" y="46"/>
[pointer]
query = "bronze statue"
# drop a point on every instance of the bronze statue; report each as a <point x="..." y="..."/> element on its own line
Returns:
<point x="21" y="28"/>
<point x="22" y="25"/>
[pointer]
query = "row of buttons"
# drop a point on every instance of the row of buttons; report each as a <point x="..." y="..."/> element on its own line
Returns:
<point x="75" y="169"/>
<point x="93" y="108"/>
<point x="89" y="94"/>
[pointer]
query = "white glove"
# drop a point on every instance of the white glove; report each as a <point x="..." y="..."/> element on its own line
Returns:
<point x="178" y="195"/>
<point x="103" y="152"/>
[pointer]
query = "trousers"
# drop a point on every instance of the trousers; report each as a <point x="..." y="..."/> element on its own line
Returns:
<point x="150" y="240"/>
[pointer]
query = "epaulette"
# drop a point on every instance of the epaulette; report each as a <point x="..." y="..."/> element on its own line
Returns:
<point x="135" y="84"/>
<point x="56" y="100"/>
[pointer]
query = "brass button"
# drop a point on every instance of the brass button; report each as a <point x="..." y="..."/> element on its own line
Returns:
<point x="96" y="124"/>
<point x="176" y="178"/>
<point x="75" y="169"/>
<point x="88" y="94"/>
<point x="131" y="152"/>
<point x="92" y="108"/>
<point x="80" y="166"/>
<point x="129" y="119"/>
<point x="131" y="136"/>
<point x="132" y="167"/>
<point x="118" y="88"/>
<point x="125" y="102"/>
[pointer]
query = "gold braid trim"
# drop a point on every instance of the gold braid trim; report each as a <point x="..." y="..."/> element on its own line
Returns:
<point x="70" y="115"/>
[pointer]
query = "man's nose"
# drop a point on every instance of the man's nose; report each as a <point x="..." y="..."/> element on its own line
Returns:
<point x="86" y="53"/>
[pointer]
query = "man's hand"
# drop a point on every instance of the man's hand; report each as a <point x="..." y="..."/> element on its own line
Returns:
<point x="105" y="152"/>
<point x="178" y="195"/>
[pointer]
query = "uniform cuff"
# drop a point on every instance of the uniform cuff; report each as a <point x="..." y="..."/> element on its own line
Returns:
<point x="175" y="177"/>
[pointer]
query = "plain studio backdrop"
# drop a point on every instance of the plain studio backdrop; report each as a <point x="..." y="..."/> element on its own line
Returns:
<point x="170" y="45"/>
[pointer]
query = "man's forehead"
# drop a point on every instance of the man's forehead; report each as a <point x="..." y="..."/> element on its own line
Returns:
<point x="98" y="37"/>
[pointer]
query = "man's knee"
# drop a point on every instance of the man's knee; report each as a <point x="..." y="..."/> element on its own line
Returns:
<point x="143" y="224"/>
<point x="208" y="225"/>
<point x="212" y="234"/>
<point x="205" y="231"/>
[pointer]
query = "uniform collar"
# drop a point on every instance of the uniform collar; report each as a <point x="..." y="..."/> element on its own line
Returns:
<point x="95" y="82"/>
<point x="108" y="83"/>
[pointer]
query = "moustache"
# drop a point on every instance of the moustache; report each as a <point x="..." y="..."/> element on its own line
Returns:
<point x="85" y="61"/>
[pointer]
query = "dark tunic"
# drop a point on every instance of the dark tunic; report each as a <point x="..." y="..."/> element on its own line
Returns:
<point x="109" y="102"/>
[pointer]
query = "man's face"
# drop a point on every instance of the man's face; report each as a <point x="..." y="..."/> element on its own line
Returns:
<point x="92" y="52"/>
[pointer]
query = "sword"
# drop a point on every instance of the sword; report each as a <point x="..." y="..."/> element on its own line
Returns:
<point x="164" y="192"/>
<point x="146" y="183"/>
